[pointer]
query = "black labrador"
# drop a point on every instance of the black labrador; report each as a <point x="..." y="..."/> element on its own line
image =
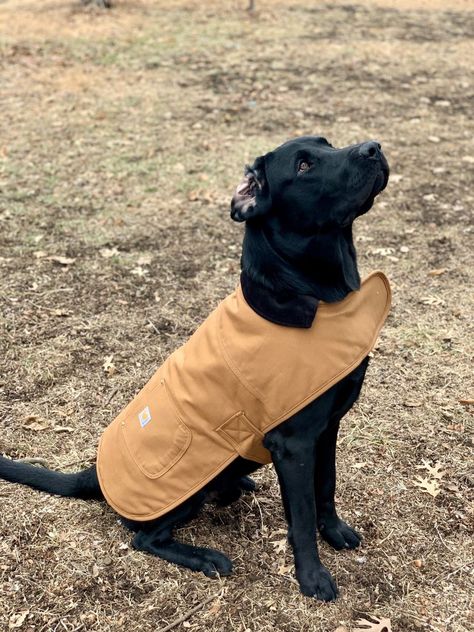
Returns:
<point x="299" y="202"/>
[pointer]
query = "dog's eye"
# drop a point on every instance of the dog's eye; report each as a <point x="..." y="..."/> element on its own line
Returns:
<point x="303" y="166"/>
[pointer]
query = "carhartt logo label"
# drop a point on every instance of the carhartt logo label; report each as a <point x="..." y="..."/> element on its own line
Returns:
<point x="144" y="417"/>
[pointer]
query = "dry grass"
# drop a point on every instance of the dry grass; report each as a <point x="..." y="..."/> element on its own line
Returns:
<point x="128" y="130"/>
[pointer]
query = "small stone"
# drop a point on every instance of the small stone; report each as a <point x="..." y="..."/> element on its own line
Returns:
<point x="434" y="139"/>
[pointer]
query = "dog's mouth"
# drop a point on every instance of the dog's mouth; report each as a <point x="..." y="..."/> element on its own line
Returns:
<point x="380" y="183"/>
<point x="381" y="180"/>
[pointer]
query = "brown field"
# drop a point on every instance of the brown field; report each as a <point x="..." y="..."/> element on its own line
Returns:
<point x="123" y="134"/>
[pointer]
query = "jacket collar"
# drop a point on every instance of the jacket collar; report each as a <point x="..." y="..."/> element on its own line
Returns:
<point x="297" y="310"/>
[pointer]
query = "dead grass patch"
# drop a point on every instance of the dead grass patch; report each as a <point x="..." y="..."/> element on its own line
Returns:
<point x="125" y="132"/>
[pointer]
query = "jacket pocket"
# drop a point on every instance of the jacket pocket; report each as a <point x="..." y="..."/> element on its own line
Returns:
<point x="154" y="433"/>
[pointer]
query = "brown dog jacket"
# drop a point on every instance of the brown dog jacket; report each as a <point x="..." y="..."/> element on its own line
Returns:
<point x="214" y="398"/>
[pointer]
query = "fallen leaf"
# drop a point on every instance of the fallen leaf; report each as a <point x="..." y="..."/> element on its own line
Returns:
<point x="40" y="254"/>
<point x="382" y="251"/>
<point x="431" y="487"/>
<point x="280" y="545"/>
<point x="437" y="271"/>
<point x="412" y="403"/>
<point x="60" y="313"/>
<point x="284" y="569"/>
<point x="35" y="423"/>
<point x="63" y="429"/>
<point x="373" y="625"/>
<point x="442" y="103"/>
<point x="139" y="271"/>
<point x="108" y="366"/>
<point x="431" y="300"/>
<point x="418" y="563"/>
<point x="467" y="402"/>
<point x="107" y="253"/>
<point x="452" y="488"/>
<point x="215" y="608"/>
<point x="193" y="196"/>
<point x="433" y="470"/>
<point x="145" y="260"/>
<point x="63" y="261"/>
<point x="17" y="620"/>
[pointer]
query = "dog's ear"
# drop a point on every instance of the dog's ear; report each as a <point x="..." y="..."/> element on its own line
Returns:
<point x="252" y="196"/>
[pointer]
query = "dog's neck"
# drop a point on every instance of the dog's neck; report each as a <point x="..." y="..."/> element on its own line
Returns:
<point x="322" y="266"/>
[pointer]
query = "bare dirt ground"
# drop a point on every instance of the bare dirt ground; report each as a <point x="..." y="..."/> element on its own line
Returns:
<point x="123" y="134"/>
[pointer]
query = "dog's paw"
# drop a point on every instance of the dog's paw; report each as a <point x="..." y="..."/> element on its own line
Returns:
<point x="228" y="496"/>
<point x="247" y="484"/>
<point x="215" y="564"/>
<point x="318" y="583"/>
<point x="234" y="491"/>
<point x="339" y="534"/>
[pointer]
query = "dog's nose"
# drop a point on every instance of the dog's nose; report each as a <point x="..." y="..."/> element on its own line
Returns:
<point x="370" y="149"/>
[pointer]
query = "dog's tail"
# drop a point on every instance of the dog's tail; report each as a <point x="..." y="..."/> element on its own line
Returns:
<point x="83" y="484"/>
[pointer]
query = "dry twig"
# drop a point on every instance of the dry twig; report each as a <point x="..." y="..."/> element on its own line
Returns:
<point x="190" y="613"/>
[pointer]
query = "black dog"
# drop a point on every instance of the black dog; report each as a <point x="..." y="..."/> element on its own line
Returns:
<point x="298" y="202"/>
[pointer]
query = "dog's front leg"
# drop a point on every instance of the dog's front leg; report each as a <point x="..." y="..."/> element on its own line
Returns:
<point x="295" y="467"/>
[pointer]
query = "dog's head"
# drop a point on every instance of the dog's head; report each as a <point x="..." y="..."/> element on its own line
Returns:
<point x="308" y="185"/>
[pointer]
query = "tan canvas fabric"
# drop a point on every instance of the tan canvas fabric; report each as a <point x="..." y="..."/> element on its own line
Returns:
<point x="215" y="397"/>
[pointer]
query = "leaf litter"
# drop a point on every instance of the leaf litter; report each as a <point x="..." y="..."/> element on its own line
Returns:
<point x="109" y="101"/>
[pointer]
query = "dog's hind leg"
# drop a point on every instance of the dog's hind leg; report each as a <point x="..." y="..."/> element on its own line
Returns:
<point x="247" y="484"/>
<point x="229" y="485"/>
<point x="211" y="562"/>
<point x="234" y="490"/>
<point x="156" y="537"/>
